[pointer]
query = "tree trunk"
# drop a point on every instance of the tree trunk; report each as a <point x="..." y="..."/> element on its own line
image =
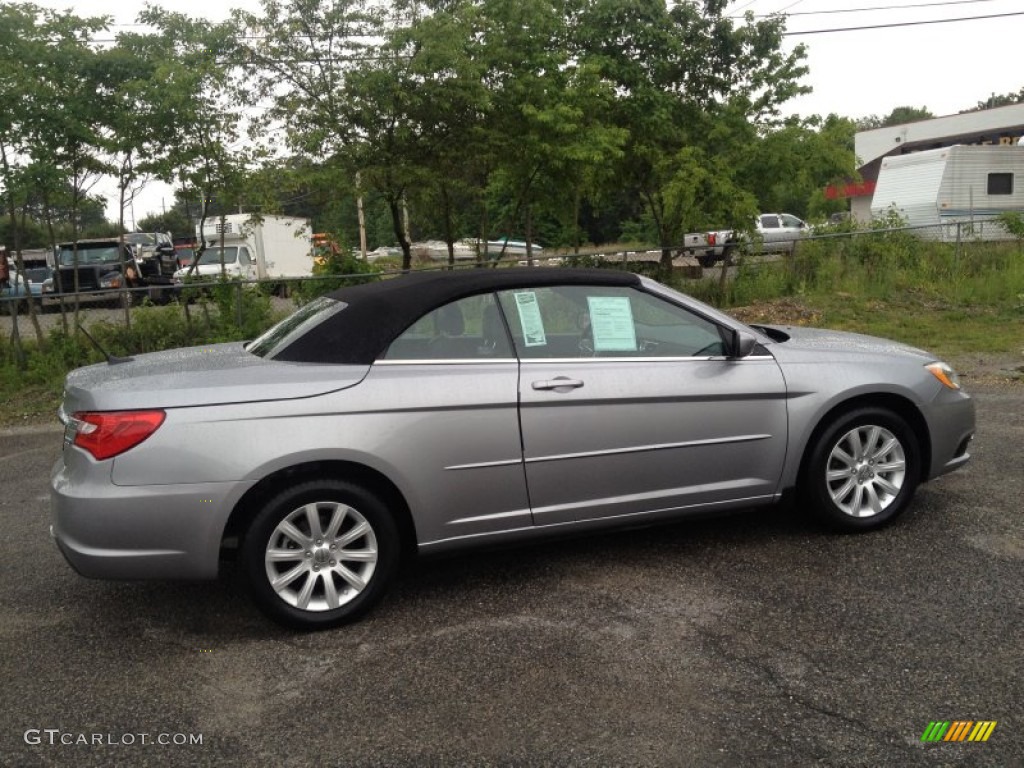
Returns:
<point x="529" y="234"/>
<point x="395" y="206"/>
<point x="449" y="236"/>
<point x="56" y="262"/>
<point x="19" y="264"/>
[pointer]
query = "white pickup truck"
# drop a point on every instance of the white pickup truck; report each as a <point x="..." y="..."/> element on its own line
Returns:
<point x="776" y="233"/>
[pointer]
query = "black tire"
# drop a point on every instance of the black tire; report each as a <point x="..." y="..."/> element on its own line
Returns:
<point x="313" y="571"/>
<point x="707" y="260"/>
<point x="854" y="492"/>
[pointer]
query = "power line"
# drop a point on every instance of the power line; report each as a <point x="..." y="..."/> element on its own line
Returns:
<point x="864" y="10"/>
<point x="902" y="24"/>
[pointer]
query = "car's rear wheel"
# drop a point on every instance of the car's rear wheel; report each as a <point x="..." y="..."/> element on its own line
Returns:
<point x="862" y="470"/>
<point x="320" y="554"/>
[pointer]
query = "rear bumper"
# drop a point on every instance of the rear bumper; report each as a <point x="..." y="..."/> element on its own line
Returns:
<point x="107" y="531"/>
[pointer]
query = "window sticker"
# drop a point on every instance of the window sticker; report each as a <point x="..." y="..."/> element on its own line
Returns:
<point x="530" y="320"/>
<point x="611" y="318"/>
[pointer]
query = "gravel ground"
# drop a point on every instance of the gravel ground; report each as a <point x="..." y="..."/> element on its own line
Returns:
<point x="754" y="639"/>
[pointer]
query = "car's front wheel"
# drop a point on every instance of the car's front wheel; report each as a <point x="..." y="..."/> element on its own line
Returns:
<point x="320" y="554"/>
<point x="862" y="470"/>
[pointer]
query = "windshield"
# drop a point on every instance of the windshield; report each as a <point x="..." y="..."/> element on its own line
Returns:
<point x="141" y="238"/>
<point x="295" y="325"/>
<point x="89" y="254"/>
<point x="212" y="255"/>
<point x="37" y="274"/>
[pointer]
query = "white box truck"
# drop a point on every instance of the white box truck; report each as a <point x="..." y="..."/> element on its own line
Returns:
<point x="952" y="191"/>
<point x="255" y="247"/>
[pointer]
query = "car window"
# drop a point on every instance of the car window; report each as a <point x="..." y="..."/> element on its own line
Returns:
<point x="791" y="221"/>
<point x="467" y="329"/>
<point x="213" y="255"/>
<point x="88" y="254"/>
<point x="37" y="274"/>
<point x="243" y="256"/>
<point x="580" y="321"/>
<point x="770" y="222"/>
<point x="293" y="327"/>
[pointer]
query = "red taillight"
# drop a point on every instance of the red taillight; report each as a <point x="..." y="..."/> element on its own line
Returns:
<point x="711" y="238"/>
<point x="106" y="434"/>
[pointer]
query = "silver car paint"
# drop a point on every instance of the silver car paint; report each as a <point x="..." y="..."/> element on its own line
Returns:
<point x="635" y="435"/>
<point x="229" y="375"/>
<point x="447" y="435"/>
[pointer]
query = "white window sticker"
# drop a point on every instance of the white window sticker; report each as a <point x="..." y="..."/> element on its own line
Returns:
<point x="611" y="319"/>
<point x="530" y="320"/>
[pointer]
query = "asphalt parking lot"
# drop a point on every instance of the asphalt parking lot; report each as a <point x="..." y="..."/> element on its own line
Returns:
<point x="755" y="639"/>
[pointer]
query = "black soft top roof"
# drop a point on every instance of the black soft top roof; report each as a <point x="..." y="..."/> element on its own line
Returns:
<point x="378" y="312"/>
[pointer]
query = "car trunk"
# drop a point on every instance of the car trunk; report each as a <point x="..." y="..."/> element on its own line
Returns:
<point x="229" y="374"/>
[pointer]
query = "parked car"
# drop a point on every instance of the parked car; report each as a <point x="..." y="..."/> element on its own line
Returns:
<point x="438" y="411"/>
<point x="104" y="266"/>
<point x="773" y="233"/>
<point x="15" y="286"/>
<point x="155" y="251"/>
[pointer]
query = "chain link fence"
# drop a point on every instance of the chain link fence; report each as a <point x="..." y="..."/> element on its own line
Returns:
<point x="248" y="304"/>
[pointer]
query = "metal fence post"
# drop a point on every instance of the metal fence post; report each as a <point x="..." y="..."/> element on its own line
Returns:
<point x="238" y="302"/>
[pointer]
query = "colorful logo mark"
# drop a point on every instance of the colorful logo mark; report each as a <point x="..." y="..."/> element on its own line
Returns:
<point x="958" y="730"/>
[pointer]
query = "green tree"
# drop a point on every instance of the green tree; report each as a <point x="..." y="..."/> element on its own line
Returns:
<point x="693" y="88"/>
<point x="1000" y="100"/>
<point x="48" y="136"/>
<point x="898" y="116"/>
<point x="201" y="148"/>
<point x="793" y="162"/>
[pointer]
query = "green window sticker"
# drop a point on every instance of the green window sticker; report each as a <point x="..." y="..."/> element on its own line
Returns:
<point x="530" y="320"/>
<point x="611" y="320"/>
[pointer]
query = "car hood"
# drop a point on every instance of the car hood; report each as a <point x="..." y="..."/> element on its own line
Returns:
<point x="211" y="375"/>
<point x="820" y="345"/>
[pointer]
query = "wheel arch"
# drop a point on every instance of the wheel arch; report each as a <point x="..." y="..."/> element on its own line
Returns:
<point x="373" y="480"/>
<point x="900" y="405"/>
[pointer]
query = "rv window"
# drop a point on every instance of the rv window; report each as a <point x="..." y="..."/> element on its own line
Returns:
<point x="1000" y="183"/>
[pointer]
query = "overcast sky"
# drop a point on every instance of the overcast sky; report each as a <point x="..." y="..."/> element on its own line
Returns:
<point x="945" y="67"/>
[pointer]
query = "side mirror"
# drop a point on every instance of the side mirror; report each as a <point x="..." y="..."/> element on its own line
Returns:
<point x="742" y="344"/>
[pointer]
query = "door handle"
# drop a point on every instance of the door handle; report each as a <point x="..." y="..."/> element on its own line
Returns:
<point x="559" y="384"/>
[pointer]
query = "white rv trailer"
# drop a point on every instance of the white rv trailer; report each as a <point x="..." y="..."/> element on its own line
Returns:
<point x="953" y="191"/>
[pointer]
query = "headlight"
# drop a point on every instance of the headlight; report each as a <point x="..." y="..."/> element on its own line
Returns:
<point x="945" y="374"/>
<point x="111" y="281"/>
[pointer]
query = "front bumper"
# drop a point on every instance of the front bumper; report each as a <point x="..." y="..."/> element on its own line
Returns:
<point x="951" y="423"/>
<point x="107" y="531"/>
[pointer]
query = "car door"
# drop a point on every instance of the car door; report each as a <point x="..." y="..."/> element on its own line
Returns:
<point x="246" y="265"/>
<point x="629" y="406"/>
<point x="793" y="229"/>
<point x="445" y="411"/>
<point x="770" y="228"/>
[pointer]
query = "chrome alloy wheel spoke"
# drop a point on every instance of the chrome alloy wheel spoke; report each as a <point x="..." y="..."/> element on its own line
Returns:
<point x="865" y="471"/>
<point x="321" y="573"/>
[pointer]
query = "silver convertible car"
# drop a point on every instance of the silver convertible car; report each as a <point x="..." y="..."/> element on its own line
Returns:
<point x="443" y="410"/>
